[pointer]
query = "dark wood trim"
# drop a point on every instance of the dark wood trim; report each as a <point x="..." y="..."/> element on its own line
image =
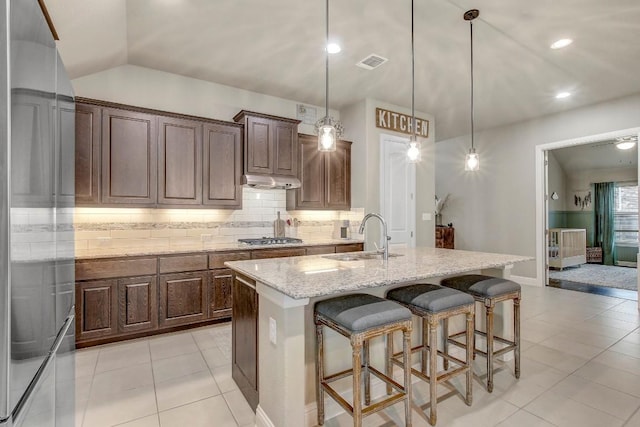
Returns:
<point x="47" y="17"/>
<point x="240" y="116"/>
<point x="107" y="104"/>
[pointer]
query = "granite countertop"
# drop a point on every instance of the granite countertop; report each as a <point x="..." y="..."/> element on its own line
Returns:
<point x="96" y="253"/>
<point x="318" y="275"/>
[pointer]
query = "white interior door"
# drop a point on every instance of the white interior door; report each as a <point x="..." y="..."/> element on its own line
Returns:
<point x="398" y="188"/>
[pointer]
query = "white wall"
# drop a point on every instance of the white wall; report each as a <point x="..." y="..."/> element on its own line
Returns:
<point x="556" y="182"/>
<point x="494" y="210"/>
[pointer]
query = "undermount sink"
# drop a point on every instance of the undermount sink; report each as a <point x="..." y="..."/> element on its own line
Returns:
<point x="357" y="256"/>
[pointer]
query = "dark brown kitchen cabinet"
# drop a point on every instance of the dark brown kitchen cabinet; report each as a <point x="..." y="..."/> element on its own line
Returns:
<point x="129" y="157"/>
<point x="183" y="298"/>
<point x="222" y="186"/>
<point x="325" y="177"/>
<point x="270" y="144"/>
<point x="351" y="247"/>
<point x="220" y="293"/>
<point x="277" y="253"/>
<point x="97" y="309"/>
<point x="87" y="174"/>
<point x="244" y="336"/>
<point x="179" y="161"/>
<point x="137" y="307"/>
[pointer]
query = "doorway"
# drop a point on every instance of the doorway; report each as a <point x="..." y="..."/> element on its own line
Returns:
<point x="572" y="250"/>
<point x="397" y="191"/>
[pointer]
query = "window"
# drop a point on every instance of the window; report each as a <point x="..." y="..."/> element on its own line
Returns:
<point x="625" y="222"/>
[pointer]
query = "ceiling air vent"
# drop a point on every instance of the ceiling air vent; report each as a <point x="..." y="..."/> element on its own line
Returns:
<point x="372" y="61"/>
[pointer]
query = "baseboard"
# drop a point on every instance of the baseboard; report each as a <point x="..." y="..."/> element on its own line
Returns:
<point x="530" y="281"/>
<point x="262" y="419"/>
<point x="626" y="264"/>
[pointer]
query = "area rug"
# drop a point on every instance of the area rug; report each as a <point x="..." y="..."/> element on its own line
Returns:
<point x="600" y="275"/>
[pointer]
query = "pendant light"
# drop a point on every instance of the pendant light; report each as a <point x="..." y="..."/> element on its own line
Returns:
<point x="414" y="153"/>
<point x="471" y="162"/>
<point x="327" y="128"/>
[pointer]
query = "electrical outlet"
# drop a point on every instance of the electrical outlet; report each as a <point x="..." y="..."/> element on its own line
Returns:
<point x="104" y="242"/>
<point x="206" y="237"/>
<point x="272" y="330"/>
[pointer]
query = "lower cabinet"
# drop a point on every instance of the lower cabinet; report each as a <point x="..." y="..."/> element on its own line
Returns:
<point x="183" y="298"/>
<point x="137" y="307"/>
<point x="96" y="309"/>
<point x="220" y="293"/>
<point x="244" y="366"/>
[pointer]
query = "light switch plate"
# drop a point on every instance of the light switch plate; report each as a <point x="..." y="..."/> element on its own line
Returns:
<point x="426" y="216"/>
<point x="272" y="330"/>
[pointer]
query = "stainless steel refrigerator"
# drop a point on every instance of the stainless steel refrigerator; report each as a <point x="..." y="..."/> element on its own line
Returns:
<point x="37" y="152"/>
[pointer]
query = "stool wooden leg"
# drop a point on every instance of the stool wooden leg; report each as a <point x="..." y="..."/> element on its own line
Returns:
<point x="489" y="315"/>
<point x="433" y="370"/>
<point x="367" y="374"/>
<point x="406" y="360"/>
<point x="445" y="332"/>
<point x="388" y="365"/>
<point x="319" y="374"/>
<point x="425" y="344"/>
<point x="516" y="337"/>
<point x="357" y="378"/>
<point x="469" y="341"/>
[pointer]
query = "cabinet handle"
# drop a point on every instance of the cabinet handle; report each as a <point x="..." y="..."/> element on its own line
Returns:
<point x="246" y="283"/>
<point x="224" y="276"/>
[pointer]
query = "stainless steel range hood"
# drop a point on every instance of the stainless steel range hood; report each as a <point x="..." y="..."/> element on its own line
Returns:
<point x="266" y="182"/>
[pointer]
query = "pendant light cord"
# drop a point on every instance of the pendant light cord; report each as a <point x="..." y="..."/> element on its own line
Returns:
<point x="413" y="81"/>
<point x="326" y="49"/>
<point x="471" y="38"/>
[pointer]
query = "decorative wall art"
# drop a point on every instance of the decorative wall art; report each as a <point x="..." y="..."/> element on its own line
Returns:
<point x="582" y="199"/>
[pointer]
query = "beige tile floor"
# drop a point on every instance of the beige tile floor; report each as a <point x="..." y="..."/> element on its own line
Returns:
<point x="580" y="368"/>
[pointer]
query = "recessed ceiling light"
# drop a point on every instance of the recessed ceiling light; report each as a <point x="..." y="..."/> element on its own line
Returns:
<point x="333" y="48"/>
<point x="626" y="142"/>
<point x="562" y="95"/>
<point x="559" y="44"/>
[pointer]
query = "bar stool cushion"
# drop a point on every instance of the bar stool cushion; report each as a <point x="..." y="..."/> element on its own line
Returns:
<point x="481" y="285"/>
<point x="359" y="312"/>
<point x="431" y="298"/>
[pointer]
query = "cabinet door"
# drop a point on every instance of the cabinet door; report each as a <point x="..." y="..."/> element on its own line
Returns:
<point x="338" y="177"/>
<point x="87" y="174"/>
<point x="183" y="298"/>
<point x="222" y="166"/>
<point x="137" y="307"/>
<point x="245" y="339"/>
<point x="180" y="161"/>
<point x="96" y="309"/>
<point x="129" y="157"/>
<point x="220" y="297"/>
<point x="312" y="169"/>
<point x="259" y="146"/>
<point x="285" y="147"/>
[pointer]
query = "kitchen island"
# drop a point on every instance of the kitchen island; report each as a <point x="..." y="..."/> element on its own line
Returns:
<point x="283" y="291"/>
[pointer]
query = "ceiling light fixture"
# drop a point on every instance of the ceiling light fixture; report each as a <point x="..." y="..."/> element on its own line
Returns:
<point x="333" y="48"/>
<point x="327" y="128"/>
<point x="562" y="95"/>
<point x="414" y="153"/>
<point x="626" y="142"/>
<point x="471" y="161"/>
<point x="559" y="44"/>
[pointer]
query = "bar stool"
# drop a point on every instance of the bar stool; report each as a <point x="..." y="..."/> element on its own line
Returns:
<point x="489" y="291"/>
<point x="433" y="303"/>
<point x="361" y="317"/>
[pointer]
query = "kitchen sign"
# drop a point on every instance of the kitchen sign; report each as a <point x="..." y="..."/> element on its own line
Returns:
<point x="399" y="122"/>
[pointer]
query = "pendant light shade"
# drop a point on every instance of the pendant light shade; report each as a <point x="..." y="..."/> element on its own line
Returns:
<point x="328" y="129"/>
<point x="472" y="161"/>
<point x="414" y="152"/>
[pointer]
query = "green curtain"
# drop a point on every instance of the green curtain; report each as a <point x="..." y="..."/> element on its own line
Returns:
<point x="603" y="209"/>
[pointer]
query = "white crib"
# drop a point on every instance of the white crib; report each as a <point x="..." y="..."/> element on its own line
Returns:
<point x="567" y="247"/>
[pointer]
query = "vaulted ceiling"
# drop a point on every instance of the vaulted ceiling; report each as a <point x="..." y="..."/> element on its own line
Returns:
<point x="276" y="47"/>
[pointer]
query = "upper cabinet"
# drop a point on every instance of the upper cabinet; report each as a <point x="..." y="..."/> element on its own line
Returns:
<point x="128" y="156"/>
<point x="270" y="144"/>
<point x="325" y="177"/>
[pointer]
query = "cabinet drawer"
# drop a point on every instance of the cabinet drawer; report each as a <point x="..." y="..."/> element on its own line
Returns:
<point x="180" y="263"/>
<point x="108" y="268"/>
<point x="352" y="247"/>
<point x="320" y="250"/>
<point x="217" y="260"/>
<point x="277" y="253"/>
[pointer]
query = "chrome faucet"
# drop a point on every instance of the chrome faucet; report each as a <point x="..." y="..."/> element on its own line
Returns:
<point x="385" y="244"/>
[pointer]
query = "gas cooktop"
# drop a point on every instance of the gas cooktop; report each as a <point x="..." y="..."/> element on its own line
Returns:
<point x="270" y="241"/>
